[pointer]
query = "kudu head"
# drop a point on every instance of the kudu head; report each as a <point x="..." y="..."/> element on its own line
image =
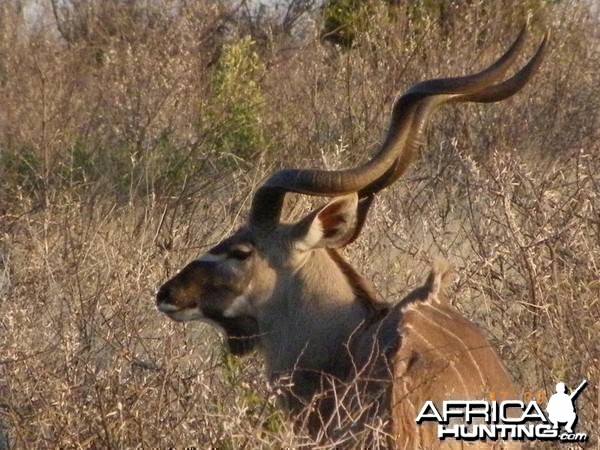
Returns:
<point x="271" y="274"/>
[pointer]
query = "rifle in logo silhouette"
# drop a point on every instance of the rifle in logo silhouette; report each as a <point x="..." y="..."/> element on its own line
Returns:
<point x="576" y="392"/>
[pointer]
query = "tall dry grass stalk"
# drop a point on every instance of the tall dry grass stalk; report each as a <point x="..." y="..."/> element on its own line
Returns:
<point x="121" y="159"/>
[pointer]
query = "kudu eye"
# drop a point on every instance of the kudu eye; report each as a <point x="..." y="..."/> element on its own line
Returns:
<point x="240" y="254"/>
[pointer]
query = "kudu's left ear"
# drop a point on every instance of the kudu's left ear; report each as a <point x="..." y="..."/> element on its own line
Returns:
<point x="333" y="226"/>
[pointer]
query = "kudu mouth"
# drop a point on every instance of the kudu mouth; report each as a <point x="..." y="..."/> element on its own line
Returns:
<point x="166" y="308"/>
<point x="211" y="287"/>
<point x="176" y="312"/>
<point x="181" y="299"/>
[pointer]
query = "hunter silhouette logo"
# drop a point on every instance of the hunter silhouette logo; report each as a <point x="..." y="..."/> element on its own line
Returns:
<point x="561" y="406"/>
<point x="472" y="420"/>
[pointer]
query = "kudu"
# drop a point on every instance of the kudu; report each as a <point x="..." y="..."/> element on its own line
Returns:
<point x="351" y="357"/>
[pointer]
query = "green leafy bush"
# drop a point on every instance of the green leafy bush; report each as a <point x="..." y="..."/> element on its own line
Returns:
<point x="234" y="111"/>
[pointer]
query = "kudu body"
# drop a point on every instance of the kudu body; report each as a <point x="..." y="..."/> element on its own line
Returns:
<point x="354" y="358"/>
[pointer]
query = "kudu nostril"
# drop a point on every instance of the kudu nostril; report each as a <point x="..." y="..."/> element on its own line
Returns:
<point x="163" y="295"/>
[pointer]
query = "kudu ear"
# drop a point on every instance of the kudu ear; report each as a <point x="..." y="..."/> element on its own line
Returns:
<point x="333" y="226"/>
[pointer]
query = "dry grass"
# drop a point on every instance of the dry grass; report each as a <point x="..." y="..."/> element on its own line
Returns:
<point x="120" y="161"/>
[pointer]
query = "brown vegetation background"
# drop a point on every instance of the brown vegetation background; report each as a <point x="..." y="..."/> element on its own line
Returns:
<point x="132" y="134"/>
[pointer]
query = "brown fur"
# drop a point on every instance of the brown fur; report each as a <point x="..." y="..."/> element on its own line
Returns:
<point x="421" y="349"/>
<point x="443" y="356"/>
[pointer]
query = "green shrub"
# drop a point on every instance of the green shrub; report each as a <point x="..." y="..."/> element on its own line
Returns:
<point x="234" y="111"/>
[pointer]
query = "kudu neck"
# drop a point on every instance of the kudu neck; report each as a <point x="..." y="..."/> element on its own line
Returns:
<point x="321" y="311"/>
